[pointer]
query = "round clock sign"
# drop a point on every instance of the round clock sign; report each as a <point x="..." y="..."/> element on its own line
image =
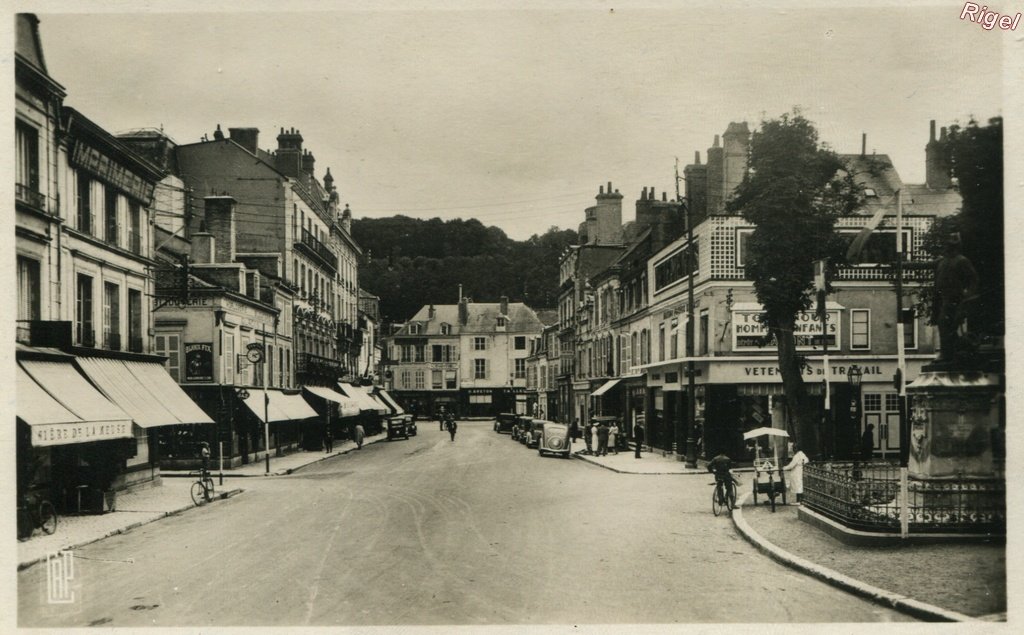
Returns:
<point x="254" y="354"/>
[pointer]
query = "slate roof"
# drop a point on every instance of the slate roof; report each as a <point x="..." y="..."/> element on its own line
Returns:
<point x="876" y="171"/>
<point x="482" y="319"/>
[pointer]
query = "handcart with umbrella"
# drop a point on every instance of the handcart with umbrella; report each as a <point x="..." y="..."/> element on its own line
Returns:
<point x="769" y="479"/>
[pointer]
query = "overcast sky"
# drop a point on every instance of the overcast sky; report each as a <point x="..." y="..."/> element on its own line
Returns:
<point x="516" y="117"/>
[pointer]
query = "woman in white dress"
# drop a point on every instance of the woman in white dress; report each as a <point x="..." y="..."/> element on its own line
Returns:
<point x="795" y="467"/>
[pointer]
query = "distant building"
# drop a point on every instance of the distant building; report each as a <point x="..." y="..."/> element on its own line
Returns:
<point x="470" y="357"/>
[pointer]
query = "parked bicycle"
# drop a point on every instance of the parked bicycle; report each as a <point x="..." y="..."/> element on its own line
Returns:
<point x="202" y="489"/>
<point x="39" y="512"/>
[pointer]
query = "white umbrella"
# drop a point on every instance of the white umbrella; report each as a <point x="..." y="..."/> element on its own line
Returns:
<point x="762" y="432"/>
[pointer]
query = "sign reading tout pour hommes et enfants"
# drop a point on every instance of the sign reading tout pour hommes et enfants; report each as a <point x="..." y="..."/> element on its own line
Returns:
<point x="199" y="361"/>
<point x="748" y="332"/>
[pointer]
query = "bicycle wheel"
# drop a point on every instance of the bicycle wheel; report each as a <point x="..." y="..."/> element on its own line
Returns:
<point x="732" y="496"/>
<point x="198" y="492"/>
<point x="208" y="488"/>
<point x="47" y="517"/>
<point x="716" y="500"/>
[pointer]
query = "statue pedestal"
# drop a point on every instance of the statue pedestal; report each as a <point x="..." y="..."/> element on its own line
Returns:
<point x="954" y="424"/>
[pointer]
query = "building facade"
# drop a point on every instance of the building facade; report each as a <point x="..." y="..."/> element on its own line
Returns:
<point x="470" y="357"/>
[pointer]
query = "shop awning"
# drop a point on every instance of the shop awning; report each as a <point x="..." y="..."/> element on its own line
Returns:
<point x="281" y="407"/>
<point x="366" y="402"/>
<point x="605" y="387"/>
<point x="159" y="382"/>
<point x="61" y="407"/>
<point x="389" y="400"/>
<point x="348" y="406"/>
<point x="144" y="390"/>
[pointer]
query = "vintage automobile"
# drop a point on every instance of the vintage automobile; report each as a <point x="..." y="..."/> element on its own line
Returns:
<point x="519" y="428"/>
<point x="534" y="432"/>
<point x="554" y="439"/>
<point x="401" y="426"/>
<point x="505" y="422"/>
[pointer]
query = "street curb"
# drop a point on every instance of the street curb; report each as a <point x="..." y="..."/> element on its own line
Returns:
<point x="586" y="458"/>
<point x="120" y="530"/>
<point x="283" y="472"/>
<point x="902" y="603"/>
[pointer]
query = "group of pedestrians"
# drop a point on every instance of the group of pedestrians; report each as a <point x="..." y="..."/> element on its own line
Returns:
<point x="600" y="436"/>
<point x="357" y="432"/>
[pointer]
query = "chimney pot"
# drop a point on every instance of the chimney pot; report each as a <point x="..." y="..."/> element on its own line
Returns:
<point x="696" y="157"/>
<point x="931" y="135"/>
<point x="600" y="189"/>
<point x="863" y="143"/>
<point x="942" y="133"/>
<point x="664" y="197"/>
<point x="715" y="145"/>
<point x="609" y="187"/>
<point x="643" y="195"/>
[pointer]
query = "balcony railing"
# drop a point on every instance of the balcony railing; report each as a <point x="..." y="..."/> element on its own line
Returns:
<point x="866" y="496"/>
<point x="317" y="248"/>
<point x="311" y="364"/>
<point x="28" y="195"/>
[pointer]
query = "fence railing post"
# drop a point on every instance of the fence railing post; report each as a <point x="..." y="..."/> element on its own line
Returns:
<point x="904" y="504"/>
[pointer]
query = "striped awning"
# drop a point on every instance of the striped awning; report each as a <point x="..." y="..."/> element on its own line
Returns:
<point x="62" y="407"/>
<point x="144" y="390"/>
<point x="279" y="406"/>
<point x="349" y="407"/>
<point x="389" y="400"/>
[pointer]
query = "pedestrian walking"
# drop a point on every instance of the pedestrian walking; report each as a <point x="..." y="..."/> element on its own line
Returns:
<point x="867" y="442"/>
<point x="638" y="437"/>
<point x="594" y="445"/>
<point x="588" y="439"/>
<point x="602" y="439"/>
<point x="360" y="433"/>
<point x="328" y="440"/>
<point x="613" y="436"/>
<point x="452" y="426"/>
<point x="796" y="469"/>
<point x="442" y="416"/>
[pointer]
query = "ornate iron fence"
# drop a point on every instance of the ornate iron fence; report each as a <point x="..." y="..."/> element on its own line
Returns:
<point x="866" y="496"/>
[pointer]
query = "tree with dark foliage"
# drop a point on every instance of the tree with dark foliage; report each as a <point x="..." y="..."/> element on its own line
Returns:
<point x="793" y="193"/>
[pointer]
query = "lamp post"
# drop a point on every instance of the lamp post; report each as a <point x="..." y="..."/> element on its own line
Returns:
<point x="853" y="378"/>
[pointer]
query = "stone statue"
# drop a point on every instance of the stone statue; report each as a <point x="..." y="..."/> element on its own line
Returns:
<point x="956" y="284"/>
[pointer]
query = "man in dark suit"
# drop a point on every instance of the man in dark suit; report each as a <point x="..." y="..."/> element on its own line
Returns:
<point x="638" y="437"/>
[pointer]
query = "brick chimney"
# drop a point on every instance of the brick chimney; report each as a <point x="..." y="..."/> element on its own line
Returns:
<point x="936" y="169"/>
<point x="308" y="161"/>
<point x="713" y="170"/>
<point x="346" y="219"/>
<point x="736" y="148"/>
<point x="248" y="138"/>
<point x="430" y="312"/>
<point x="220" y="222"/>
<point x="288" y="158"/>
<point x="464" y="311"/>
<point x="504" y="305"/>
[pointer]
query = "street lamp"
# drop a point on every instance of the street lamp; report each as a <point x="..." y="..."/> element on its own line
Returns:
<point x="853" y="378"/>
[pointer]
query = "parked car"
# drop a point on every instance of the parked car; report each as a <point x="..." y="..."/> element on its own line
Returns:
<point x="505" y="422"/>
<point x="554" y="439"/>
<point x="411" y="423"/>
<point x="521" y="428"/>
<point x="534" y="432"/>
<point x="399" y="427"/>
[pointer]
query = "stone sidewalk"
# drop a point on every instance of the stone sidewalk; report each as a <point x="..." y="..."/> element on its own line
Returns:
<point x="133" y="509"/>
<point x="940" y="582"/>
<point x="149" y="504"/>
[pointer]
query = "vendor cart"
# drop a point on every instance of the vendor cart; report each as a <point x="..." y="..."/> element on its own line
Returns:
<point x="769" y="479"/>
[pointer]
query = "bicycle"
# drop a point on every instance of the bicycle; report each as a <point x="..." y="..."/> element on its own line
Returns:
<point x="723" y="496"/>
<point x="202" y="489"/>
<point x="41" y="513"/>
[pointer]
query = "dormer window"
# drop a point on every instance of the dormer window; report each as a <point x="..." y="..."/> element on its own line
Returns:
<point x="415" y="328"/>
<point x="870" y="192"/>
<point x="446" y="329"/>
<point x="502" y="321"/>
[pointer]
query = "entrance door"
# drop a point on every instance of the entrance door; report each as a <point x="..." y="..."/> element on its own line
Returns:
<point x="882" y="410"/>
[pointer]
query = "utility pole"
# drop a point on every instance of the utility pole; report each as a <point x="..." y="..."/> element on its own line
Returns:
<point x="691" y="384"/>
<point x="266" y="403"/>
<point x="821" y="282"/>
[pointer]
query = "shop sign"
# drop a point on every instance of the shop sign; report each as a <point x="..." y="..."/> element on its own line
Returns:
<point x="178" y="303"/>
<point x="64" y="433"/>
<point x="114" y="173"/>
<point x="748" y="332"/>
<point x="199" y="361"/>
<point x="768" y="371"/>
